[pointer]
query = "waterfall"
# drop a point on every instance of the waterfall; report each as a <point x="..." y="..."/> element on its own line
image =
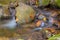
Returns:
<point x="11" y="23"/>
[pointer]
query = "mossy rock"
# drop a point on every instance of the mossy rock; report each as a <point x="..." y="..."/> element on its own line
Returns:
<point x="57" y="3"/>
<point x="43" y="2"/>
<point x="56" y="37"/>
<point x="24" y="13"/>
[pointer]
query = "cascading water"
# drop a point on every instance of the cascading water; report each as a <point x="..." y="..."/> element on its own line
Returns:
<point x="11" y="23"/>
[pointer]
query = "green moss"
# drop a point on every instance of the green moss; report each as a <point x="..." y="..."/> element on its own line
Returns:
<point x="57" y="3"/>
<point x="44" y="2"/>
<point x="54" y="37"/>
<point x="6" y="1"/>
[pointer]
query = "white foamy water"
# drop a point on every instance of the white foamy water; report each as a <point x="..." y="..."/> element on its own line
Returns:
<point x="10" y="24"/>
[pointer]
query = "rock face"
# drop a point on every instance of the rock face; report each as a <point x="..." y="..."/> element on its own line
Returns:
<point x="24" y="13"/>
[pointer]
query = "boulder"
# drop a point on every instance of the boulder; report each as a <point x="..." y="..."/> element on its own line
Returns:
<point x="24" y="13"/>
